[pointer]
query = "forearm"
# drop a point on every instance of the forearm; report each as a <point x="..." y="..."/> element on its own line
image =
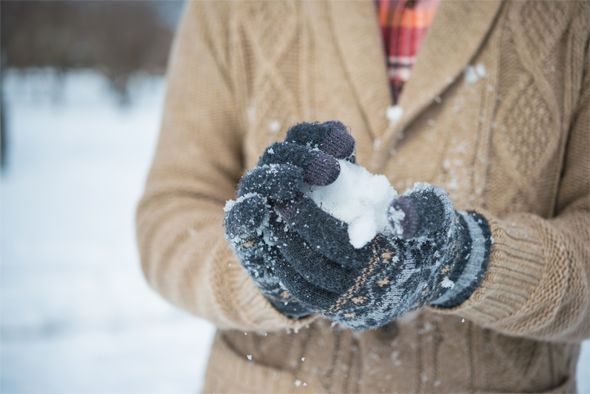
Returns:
<point x="536" y="284"/>
<point x="197" y="164"/>
<point x="186" y="259"/>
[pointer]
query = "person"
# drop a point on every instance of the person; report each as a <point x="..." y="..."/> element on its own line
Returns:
<point x="481" y="283"/>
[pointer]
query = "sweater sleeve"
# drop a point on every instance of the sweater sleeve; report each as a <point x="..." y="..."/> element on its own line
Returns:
<point x="197" y="163"/>
<point x="538" y="279"/>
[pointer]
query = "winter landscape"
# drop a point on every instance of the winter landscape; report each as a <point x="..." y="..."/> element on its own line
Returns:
<point x="76" y="313"/>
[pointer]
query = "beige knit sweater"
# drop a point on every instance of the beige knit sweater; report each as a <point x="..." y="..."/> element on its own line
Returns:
<point x="510" y="140"/>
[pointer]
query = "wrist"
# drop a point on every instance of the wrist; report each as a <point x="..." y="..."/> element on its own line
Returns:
<point x="470" y="261"/>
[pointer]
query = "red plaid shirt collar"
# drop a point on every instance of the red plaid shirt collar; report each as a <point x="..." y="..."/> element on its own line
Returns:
<point x="403" y="25"/>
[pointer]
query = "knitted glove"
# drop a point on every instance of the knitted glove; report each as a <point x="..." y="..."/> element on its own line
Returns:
<point x="278" y="179"/>
<point x="434" y="255"/>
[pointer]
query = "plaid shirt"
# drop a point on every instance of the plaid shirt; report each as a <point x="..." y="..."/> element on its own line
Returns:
<point x="403" y="24"/>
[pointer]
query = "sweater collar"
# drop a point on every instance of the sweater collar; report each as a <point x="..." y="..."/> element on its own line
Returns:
<point x="456" y="33"/>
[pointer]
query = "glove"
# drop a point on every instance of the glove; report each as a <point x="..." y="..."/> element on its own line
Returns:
<point x="308" y="155"/>
<point x="433" y="255"/>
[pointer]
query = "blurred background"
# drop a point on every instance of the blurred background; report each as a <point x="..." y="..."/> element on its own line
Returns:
<point x="82" y="84"/>
<point x="82" y="89"/>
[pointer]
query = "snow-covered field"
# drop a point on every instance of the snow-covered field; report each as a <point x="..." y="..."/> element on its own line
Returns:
<point x="75" y="313"/>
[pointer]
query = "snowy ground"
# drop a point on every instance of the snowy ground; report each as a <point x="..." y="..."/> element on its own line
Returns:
<point x="76" y="315"/>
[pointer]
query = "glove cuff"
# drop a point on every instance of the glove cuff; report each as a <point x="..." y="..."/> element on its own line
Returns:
<point x="471" y="264"/>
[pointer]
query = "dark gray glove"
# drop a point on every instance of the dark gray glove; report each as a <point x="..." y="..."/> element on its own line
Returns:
<point x="278" y="179"/>
<point x="438" y="256"/>
<point x="438" y="259"/>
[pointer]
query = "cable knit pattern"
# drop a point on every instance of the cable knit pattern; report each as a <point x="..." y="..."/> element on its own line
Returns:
<point x="511" y="144"/>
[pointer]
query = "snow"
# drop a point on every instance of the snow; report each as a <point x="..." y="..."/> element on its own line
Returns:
<point x="447" y="283"/>
<point x="474" y="73"/>
<point x="299" y="383"/>
<point x="77" y="315"/>
<point x="480" y="70"/>
<point x="394" y="114"/>
<point x="359" y="199"/>
<point x="396" y="216"/>
<point x="274" y="126"/>
<point x="229" y="204"/>
<point x="251" y="113"/>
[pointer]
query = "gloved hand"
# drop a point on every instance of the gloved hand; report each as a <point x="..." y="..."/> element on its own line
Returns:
<point x="434" y="255"/>
<point x="308" y="155"/>
<point x="438" y="257"/>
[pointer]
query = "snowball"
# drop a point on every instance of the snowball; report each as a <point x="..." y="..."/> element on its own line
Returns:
<point x="358" y="198"/>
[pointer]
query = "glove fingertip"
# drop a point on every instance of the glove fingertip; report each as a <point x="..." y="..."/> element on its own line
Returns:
<point x="403" y="218"/>
<point x="276" y="181"/>
<point x="322" y="169"/>
<point x="244" y="215"/>
<point x="332" y="137"/>
<point x="305" y="131"/>
<point x="268" y="157"/>
<point x="426" y="210"/>
<point x="338" y="142"/>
